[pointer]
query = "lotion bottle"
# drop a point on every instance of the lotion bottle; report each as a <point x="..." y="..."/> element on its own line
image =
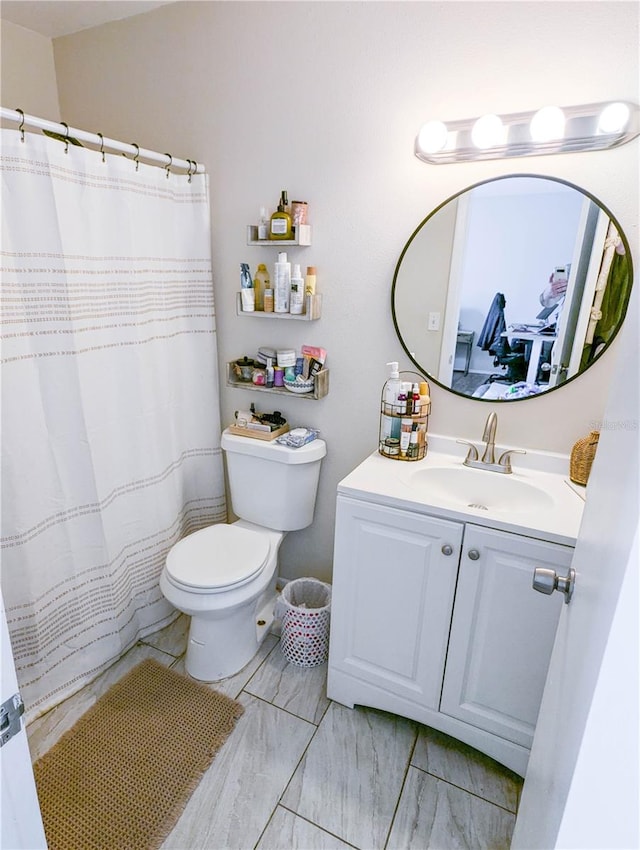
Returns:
<point x="280" y="225"/>
<point x="270" y="372"/>
<point x="310" y="281"/>
<point x="282" y="284"/>
<point x="392" y="389"/>
<point x="296" y="304"/>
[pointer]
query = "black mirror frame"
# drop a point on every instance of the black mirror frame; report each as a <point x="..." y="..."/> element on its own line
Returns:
<point x="579" y="374"/>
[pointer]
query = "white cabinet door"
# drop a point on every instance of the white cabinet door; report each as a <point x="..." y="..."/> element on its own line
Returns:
<point x="393" y="588"/>
<point x="502" y="633"/>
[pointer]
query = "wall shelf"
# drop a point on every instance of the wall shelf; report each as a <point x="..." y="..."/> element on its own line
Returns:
<point x="312" y="304"/>
<point x="302" y="237"/>
<point x="320" y="390"/>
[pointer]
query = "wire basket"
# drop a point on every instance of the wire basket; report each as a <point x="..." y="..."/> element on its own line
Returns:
<point x="304" y="607"/>
<point x="404" y="422"/>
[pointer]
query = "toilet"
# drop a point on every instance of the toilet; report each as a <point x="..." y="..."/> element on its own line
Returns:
<point x="224" y="576"/>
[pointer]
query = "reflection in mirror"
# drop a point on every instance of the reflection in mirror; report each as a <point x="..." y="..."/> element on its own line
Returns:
<point x="511" y="288"/>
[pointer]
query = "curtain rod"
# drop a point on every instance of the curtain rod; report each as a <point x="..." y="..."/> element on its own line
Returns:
<point x="16" y="116"/>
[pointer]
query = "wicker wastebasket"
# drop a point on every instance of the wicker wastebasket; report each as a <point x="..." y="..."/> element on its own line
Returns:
<point x="304" y="607"/>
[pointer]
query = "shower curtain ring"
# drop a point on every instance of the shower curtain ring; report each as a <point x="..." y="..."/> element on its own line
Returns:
<point x="137" y="156"/>
<point x="21" y="127"/>
<point x="168" y="166"/>
<point x="190" y="172"/>
<point x="66" y="138"/>
<point x="102" y="146"/>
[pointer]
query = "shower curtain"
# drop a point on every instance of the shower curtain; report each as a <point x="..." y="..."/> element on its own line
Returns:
<point x="110" y="404"/>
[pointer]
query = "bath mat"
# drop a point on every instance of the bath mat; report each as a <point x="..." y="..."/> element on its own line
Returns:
<point x="120" y="778"/>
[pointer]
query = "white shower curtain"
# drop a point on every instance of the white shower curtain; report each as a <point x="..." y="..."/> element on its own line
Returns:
<point x="110" y="404"/>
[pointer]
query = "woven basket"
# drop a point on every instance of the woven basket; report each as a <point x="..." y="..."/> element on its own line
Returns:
<point x="582" y="455"/>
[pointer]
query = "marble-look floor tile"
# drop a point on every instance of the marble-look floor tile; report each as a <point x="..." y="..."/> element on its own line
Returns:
<point x="433" y="815"/>
<point x="43" y="733"/>
<point x="300" y="690"/>
<point x="351" y="776"/>
<point x="233" y="685"/>
<point x="171" y="639"/>
<point x="237" y="795"/>
<point x="287" y="831"/>
<point x="461" y="765"/>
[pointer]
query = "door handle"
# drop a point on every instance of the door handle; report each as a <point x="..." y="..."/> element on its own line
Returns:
<point x="546" y="581"/>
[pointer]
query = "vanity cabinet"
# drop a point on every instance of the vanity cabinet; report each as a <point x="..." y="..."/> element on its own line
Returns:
<point x="392" y="598"/>
<point x="437" y="620"/>
<point x="502" y="632"/>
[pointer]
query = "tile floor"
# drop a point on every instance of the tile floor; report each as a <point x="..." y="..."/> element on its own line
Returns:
<point x="300" y="772"/>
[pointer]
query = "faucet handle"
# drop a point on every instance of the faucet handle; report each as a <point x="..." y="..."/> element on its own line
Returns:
<point x="472" y="454"/>
<point x="505" y="458"/>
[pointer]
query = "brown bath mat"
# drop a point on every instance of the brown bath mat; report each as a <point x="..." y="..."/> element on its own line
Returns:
<point x="119" y="779"/>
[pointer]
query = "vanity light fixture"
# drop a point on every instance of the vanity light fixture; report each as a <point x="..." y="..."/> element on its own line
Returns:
<point x="552" y="129"/>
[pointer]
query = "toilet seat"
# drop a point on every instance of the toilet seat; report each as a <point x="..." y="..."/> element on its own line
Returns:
<point x="217" y="558"/>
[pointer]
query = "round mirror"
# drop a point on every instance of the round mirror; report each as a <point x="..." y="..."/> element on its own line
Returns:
<point x="511" y="288"/>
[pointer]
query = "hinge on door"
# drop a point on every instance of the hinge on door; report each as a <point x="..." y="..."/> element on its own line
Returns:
<point x="10" y="713"/>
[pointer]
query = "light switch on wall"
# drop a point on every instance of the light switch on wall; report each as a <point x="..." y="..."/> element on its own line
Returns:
<point x="434" y="322"/>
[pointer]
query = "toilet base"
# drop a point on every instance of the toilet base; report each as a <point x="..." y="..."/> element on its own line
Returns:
<point x="217" y="649"/>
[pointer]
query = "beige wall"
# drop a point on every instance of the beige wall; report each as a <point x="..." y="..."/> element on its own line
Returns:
<point x="27" y="72"/>
<point x="325" y="99"/>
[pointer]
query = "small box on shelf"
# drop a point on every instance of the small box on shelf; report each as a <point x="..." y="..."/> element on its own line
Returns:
<point x="301" y="236"/>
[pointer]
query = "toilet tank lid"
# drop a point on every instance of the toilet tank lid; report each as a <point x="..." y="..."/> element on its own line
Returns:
<point x="270" y="450"/>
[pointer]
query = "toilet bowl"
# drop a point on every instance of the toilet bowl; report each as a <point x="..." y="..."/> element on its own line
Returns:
<point x="231" y="607"/>
<point x="224" y="576"/>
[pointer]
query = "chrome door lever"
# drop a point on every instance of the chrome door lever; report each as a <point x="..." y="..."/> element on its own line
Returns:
<point x="546" y="581"/>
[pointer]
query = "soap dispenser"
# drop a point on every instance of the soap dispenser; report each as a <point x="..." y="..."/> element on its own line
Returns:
<point x="392" y="390"/>
<point x="280" y="225"/>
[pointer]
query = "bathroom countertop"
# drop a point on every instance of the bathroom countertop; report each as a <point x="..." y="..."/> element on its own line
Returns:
<point x="553" y="512"/>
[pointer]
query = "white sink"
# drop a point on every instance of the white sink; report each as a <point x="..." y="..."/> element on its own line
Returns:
<point x="479" y="489"/>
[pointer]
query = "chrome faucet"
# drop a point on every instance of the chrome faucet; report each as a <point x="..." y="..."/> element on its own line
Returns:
<point x="489" y="437"/>
<point x="488" y="460"/>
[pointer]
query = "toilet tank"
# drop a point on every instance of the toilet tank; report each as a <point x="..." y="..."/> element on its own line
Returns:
<point x="272" y="485"/>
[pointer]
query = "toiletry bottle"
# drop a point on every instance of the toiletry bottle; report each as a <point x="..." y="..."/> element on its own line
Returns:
<point x="270" y="372"/>
<point x="413" y="449"/>
<point x="261" y="283"/>
<point x="391" y="390"/>
<point x="268" y="301"/>
<point x="282" y="284"/>
<point x="263" y="224"/>
<point x="246" y="289"/>
<point x="280" y="225"/>
<point x="310" y="281"/>
<point x="415" y="397"/>
<point x="425" y="398"/>
<point x="400" y="407"/>
<point x="296" y="305"/>
<point x="405" y="436"/>
<point x="407" y="388"/>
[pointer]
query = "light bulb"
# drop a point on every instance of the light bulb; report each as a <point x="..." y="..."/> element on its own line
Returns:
<point x="547" y="124"/>
<point x="613" y="118"/>
<point x="488" y="132"/>
<point x="433" y="137"/>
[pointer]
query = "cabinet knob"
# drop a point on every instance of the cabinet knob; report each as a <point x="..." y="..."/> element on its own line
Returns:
<point x="447" y="549"/>
<point x="546" y="581"/>
<point x="474" y="554"/>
